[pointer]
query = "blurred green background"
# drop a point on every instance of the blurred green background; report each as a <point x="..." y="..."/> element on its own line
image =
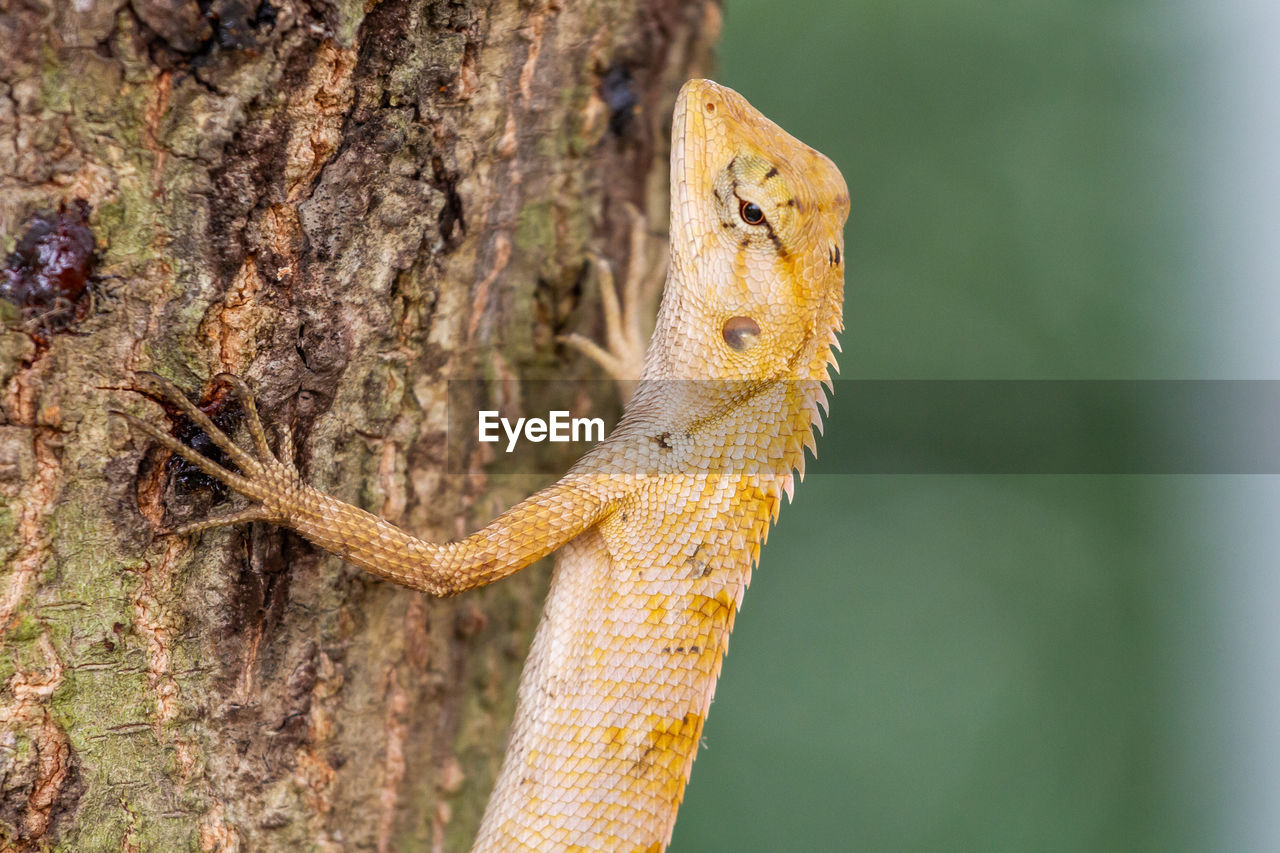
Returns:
<point x="988" y="663"/>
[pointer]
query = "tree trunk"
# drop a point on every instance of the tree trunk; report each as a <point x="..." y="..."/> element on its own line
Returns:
<point x="347" y="203"/>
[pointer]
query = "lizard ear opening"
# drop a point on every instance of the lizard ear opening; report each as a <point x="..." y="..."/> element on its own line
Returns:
<point x="740" y="332"/>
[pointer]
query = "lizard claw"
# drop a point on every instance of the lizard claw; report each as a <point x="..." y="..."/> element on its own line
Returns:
<point x="255" y="469"/>
<point x="625" y="313"/>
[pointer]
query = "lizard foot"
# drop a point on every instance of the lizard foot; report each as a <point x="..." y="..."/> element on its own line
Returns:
<point x="625" y="316"/>
<point x="260" y="473"/>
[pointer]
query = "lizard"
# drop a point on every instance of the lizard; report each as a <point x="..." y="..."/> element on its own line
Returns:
<point x="657" y="528"/>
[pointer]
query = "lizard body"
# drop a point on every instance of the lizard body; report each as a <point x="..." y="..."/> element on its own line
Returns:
<point x="658" y="527"/>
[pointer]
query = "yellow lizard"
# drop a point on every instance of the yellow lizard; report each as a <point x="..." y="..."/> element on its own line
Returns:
<point x="659" y="526"/>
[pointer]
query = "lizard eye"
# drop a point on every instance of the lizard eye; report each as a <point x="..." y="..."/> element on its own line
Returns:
<point x="751" y="213"/>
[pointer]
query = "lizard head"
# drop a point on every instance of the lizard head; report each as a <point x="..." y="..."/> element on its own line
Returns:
<point x="757" y="246"/>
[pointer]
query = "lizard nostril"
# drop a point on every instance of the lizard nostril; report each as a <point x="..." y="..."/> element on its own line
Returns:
<point x="740" y="332"/>
<point x="711" y="107"/>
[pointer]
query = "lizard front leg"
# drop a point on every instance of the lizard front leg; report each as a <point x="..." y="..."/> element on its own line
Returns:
<point x="528" y="531"/>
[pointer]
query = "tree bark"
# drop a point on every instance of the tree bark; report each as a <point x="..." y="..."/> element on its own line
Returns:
<point x="348" y="204"/>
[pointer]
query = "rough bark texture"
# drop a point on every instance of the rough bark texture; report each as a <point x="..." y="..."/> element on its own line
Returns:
<point x="348" y="204"/>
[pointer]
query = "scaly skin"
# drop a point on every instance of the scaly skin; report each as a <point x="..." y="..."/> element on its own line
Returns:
<point x="659" y="526"/>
